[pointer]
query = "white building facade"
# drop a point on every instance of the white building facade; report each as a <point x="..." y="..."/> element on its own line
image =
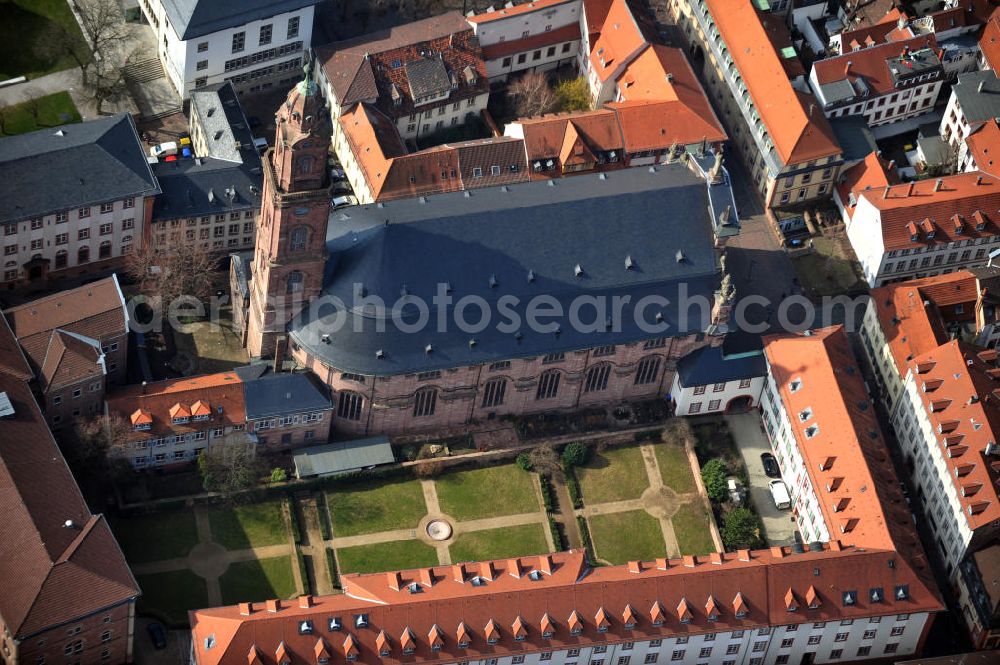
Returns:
<point x="257" y="46"/>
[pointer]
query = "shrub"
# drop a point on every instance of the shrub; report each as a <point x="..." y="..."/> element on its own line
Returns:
<point x="278" y="475"/>
<point x="543" y="481"/>
<point x="651" y="435"/>
<point x="557" y="536"/>
<point x="588" y="544"/>
<point x="741" y="530"/>
<point x="573" y="95"/>
<point x="302" y="568"/>
<point x="575" y="454"/>
<point x="293" y="518"/>
<point x="713" y="474"/>
<point x="524" y="461"/>
<point x="324" y="517"/>
<point x="573" y="487"/>
<point x="429" y="469"/>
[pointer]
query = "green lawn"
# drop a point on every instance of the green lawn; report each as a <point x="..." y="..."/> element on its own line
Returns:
<point x="622" y="537"/>
<point x="489" y="492"/>
<point x="691" y="526"/>
<point x="168" y="596"/>
<point x="613" y="475"/>
<point x="675" y="469"/>
<point x="261" y="579"/>
<point x="54" y="109"/>
<point x="156" y="537"/>
<point x="379" y="507"/>
<point x="503" y="543"/>
<point x="254" y="525"/>
<point x="27" y="30"/>
<point x="398" y="555"/>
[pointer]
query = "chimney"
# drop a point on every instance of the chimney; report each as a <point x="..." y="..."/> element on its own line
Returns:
<point x="514" y="568"/>
<point x="486" y="570"/>
<point x="979" y="180"/>
<point x="689" y="561"/>
<point x="395" y="580"/>
<point x="458" y="573"/>
<point x="847" y="68"/>
<point x="306" y="601"/>
<point x="143" y="387"/>
<point x="777" y="552"/>
<point x="246" y="609"/>
<point x="891" y="165"/>
<point x="273" y="605"/>
<point x="938" y="184"/>
<point x="981" y="85"/>
<point x="909" y="190"/>
<point x="744" y="555"/>
<point x="662" y="564"/>
<point x="885" y="192"/>
<point x="716" y="558"/>
<point x="545" y="564"/>
<point x="634" y="567"/>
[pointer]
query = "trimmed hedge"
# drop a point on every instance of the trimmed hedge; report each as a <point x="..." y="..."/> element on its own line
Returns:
<point x="546" y="492"/>
<point x="302" y="570"/>
<point x="573" y="487"/>
<point x="558" y="538"/>
<point x="331" y="567"/>
<point x="293" y="518"/>
<point x="588" y="544"/>
<point x="651" y="435"/>
<point x="324" y="516"/>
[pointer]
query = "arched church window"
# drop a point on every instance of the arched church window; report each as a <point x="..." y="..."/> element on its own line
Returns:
<point x="305" y="165"/>
<point x="294" y="282"/>
<point x="299" y="238"/>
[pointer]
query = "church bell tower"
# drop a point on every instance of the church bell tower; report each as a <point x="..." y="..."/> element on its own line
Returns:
<point x="290" y="252"/>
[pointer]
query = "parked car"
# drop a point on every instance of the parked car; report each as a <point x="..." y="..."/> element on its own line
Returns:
<point x="345" y="200"/>
<point x="779" y="494"/>
<point x="164" y="149"/>
<point x="337" y="174"/>
<point x="157" y="635"/>
<point x="771" y="469"/>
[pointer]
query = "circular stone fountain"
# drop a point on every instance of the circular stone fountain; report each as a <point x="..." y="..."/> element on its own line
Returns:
<point x="438" y="530"/>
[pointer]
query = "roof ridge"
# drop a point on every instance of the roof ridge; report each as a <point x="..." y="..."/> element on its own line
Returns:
<point x="75" y="544"/>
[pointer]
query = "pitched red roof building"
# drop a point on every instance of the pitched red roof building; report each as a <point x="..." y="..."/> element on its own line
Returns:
<point x="65" y="587"/>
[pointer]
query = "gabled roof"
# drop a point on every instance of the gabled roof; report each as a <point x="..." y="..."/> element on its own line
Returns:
<point x="983" y="144"/>
<point x="871" y="174"/>
<point x="974" y="196"/>
<point x="960" y="372"/>
<point x="197" y="18"/>
<point x="516" y="10"/>
<point x="559" y="35"/>
<point x="545" y="136"/>
<point x="793" y="119"/>
<point x="96" y="310"/>
<point x="989" y="42"/>
<point x="872" y="65"/>
<point x="72" y="166"/>
<point x="575" y="598"/>
<point x="163" y="400"/>
<point x="978" y="94"/>
<point x="70" y="358"/>
<point x="366" y="68"/>
<point x="621" y="38"/>
<point x="837" y="434"/>
<point x="50" y="573"/>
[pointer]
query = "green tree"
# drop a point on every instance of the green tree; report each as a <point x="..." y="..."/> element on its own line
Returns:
<point x="278" y="475"/>
<point x="741" y="530"/>
<point x="524" y="461"/>
<point x="573" y="95"/>
<point x="713" y="474"/>
<point x="575" y="454"/>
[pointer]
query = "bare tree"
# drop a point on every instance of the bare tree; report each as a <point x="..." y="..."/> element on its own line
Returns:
<point x="185" y="269"/>
<point x="93" y="448"/>
<point x="32" y="106"/>
<point x="531" y="95"/>
<point x="544" y="460"/>
<point x="104" y="27"/>
<point x="106" y="81"/>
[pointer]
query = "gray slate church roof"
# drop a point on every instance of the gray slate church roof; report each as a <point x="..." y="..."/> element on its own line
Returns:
<point x="72" y="166"/>
<point x="197" y="18"/>
<point x="635" y="232"/>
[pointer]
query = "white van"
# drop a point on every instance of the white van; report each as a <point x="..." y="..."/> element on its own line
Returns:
<point x="345" y="200"/>
<point x="164" y="149"/>
<point x="779" y="494"/>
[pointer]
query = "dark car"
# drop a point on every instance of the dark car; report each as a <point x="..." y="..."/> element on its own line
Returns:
<point x="157" y="635"/>
<point x="771" y="469"/>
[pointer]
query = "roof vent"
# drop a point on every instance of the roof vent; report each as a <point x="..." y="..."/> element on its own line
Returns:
<point x="493" y="281"/>
<point x="531" y="275"/>
<point x="423" y="199"/>
<point x="680" y="256"/>
<point x="61" y="132"/>
<point x="552" y="183"/>
<point x="812" y="431"/>
<point x="380" y="354"/>
<point x="805" y="414"/>
<point x="602" y="176"/>
<point x="795" y="385"/>
<point x="69" y="524"/>
<point x="429" y="349"/>
<point x="211" y="112"/>
<point x="467" y="194"/>
<point x="578" y="270"/>
<point x="518" y="336"/>
<point x="629" y="263"/>
<point x="472" y="342"/>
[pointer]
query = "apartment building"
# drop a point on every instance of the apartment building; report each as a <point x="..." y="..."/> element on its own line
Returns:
<point x="917" y="229"/>
<point x="773" y="119"/>
<point x="174" y="420"/>
<point x="426" y="75"/>
<point x="534" y="36"/>
<point x="84" y="200"/>
<point x="76" y="342"/>
<point x="68" y="594"/>
<point x="982" y="146"/>
<point x="213" y="199"/>
<point x="773" y="607"/>
<point x="979" y="598"/>
<point x="253" y="44"/>
<point x="885" y="83"/>
<point x="618" y="33"/>
<point x="974" y="102"/>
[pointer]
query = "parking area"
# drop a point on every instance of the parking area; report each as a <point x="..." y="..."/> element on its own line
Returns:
<point x="178" y="649"/>
<point x="779" y="525"/>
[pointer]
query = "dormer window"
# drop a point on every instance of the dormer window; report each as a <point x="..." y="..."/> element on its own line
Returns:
<point x="180" y="421"/>
<point x="305" y="627"/>
<point x="795" y="385"/>
<point x="334" y="624"/>
<point x="360" y="620"/>
<point x="805" y="414"/>
<point x="812" y="431"/>
<point x="850" y="598"/>
<point x="876" y="595"/>
<point x="902" y="591"/>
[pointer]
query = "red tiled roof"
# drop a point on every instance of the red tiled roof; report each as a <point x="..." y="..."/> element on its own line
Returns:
<point x="507" y="12"/>
<point x="94" y="310"/>
<point x="595" y="12"/>
<point x="566" y="33"/>
<point x="863" y="13"/>
<point x="620" y="40"/>
<point x="573" y="598"/>
<point x="69" y="358"/>
<point x="868" y="36"/>
<point x="545" y="136"/>
<point x="989" y="43"/>
<point x="984" y="146"/>
<point x="871" y="173"/>
<point x="974" y="196"/>
<point x="164" y="400"/>
<point x="793" y="119"/>
<point x="365" y="68"/>
<point x="959" y="373"/>
<point x="870" y="64"/>
<point x="845" y="457"/>
<point x="50" y="574"/>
